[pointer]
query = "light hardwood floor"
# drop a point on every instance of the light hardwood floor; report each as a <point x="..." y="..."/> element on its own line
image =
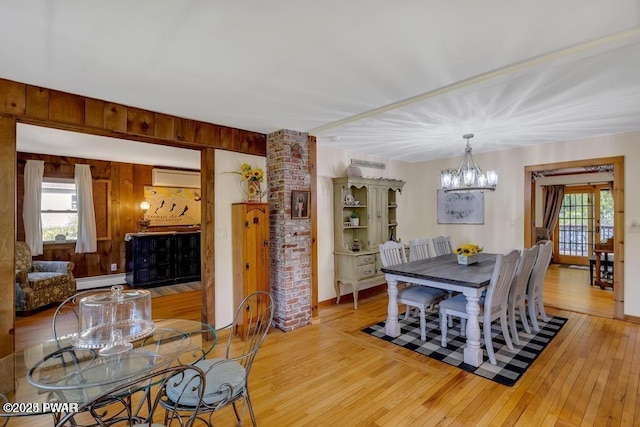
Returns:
<point x="332" y="374"/>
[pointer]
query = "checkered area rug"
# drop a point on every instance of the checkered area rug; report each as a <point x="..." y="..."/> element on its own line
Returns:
<point x="511" y="363"/>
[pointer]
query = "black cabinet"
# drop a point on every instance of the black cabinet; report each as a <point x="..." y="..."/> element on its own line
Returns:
<point x="154" y="259"/>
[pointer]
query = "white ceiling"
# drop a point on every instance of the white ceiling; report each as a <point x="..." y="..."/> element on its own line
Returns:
<point x="402" y="80"/>
<point x="37" y="139"/>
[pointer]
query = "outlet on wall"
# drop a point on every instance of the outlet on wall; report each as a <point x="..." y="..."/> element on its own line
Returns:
<point x="114" y="267"/>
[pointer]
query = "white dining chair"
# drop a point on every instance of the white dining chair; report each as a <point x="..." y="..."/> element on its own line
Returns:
<point x="419" y="249"/>
<point x="420" y="297"/>
<point x="535" y="304"/>
<point x="518" y="293"/>
<point x="494" y="307"/>
<point x="442" y="245"/>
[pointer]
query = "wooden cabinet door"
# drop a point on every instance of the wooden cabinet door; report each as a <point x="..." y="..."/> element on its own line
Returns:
<point x="256" y="251"/>
<point x="251" y="262"/>
<point x="378" y="227"/>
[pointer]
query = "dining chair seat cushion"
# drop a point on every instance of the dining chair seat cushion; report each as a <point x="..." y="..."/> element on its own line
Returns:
<point x="228" y="373"/>
<point x="420" y="295"/>
<point x="458" y="303"/>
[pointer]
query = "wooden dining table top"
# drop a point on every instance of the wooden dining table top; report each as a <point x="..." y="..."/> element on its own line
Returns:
<point x="445" y="269"/>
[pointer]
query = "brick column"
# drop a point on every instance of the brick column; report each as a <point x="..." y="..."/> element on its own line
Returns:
<point x="288" y="170"/>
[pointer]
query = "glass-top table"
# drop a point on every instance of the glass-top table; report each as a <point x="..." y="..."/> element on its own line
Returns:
<point x="55" y="371"/>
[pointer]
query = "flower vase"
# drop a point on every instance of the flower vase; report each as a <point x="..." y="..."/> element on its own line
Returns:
<point x="254" y="194"/>
<point x="467" y="260"/>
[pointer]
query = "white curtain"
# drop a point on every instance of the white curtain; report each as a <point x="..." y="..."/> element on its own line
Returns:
<point x="33" y="173"/>
<point x="87" y="241"/>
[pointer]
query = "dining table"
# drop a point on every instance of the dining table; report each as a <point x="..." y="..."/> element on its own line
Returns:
<point x="57" y="377"/>
<point x="444" y="272"/>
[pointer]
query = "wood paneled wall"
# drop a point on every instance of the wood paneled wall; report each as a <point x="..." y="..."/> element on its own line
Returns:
<point x="7" y="231"/>
<point x="24" y="103"/>
<point x="127" y="186"/>
<point x="52" y="108"/>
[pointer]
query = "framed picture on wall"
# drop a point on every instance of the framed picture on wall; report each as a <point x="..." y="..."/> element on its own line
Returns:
<point x="460" y="208"/>
<point x="300" y="204"/>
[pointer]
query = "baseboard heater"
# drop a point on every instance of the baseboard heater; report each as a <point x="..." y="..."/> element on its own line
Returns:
<point x="99" y="281"/>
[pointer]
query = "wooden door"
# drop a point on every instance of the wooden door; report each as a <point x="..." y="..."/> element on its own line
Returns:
<point x="250" y="253"/>
<point x="256" y="251"/>
<point x="586" y="218"/>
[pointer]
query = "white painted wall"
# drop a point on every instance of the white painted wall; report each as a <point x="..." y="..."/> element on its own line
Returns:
<point x="227" y="188"/>
<point x="504" y="208"/>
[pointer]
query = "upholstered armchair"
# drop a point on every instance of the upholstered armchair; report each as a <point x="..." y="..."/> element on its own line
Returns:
<point x="39" y="283"/>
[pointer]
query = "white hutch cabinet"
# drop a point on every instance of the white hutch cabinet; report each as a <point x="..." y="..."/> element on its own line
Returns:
<point x="375" y="203"/>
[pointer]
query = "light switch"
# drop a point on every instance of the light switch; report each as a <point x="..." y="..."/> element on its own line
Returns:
<point x="221" y="233"/>
<point x="635" y="226"/>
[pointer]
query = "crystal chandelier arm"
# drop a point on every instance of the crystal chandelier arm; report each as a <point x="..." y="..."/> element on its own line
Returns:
<point x="469" y="176"/>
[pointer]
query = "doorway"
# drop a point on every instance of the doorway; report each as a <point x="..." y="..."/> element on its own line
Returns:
<point x="586" y="218"/>
<point x="617" y="190"/>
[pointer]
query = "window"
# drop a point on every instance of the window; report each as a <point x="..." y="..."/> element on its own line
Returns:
<point x="586" y="218"/>
<point x="59" y="210"/>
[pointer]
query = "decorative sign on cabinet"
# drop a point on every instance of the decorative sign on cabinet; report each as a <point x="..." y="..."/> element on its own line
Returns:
<point x="373" y="202"/>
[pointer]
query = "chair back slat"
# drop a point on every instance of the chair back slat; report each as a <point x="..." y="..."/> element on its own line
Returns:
<point x="442" y="245"/>
<point x="501" y="280"/>
<point x="392" y="253"/>
<point x="259" y="309"/>
<point x="540" y="267"/>
<point x="419" y="249"/>
<point x="523" y="273"/>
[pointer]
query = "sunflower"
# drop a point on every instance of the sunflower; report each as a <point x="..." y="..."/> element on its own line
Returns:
<point x="250" y="174"/>
<point x="468" y="249"/>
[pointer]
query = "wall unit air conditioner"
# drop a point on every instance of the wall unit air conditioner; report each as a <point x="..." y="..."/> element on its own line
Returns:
<point x="175" y="178"/>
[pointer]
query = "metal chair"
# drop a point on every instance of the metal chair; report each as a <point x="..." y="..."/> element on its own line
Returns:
<point x="535" y="303"/>
<point x="494" y="307"/>
<point x="442" y="245"/>
<point x="518" y="293"/>
<point x="417" y="296"/>
<point x="135" y="403"/>
<point x="419" y="249"/>
<point x="227" y="377"/>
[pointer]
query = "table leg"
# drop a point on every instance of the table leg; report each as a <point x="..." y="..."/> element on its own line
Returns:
<point x="391" y="326"/>
<point x="336" y="285"/>
<point x="472" y="350"/>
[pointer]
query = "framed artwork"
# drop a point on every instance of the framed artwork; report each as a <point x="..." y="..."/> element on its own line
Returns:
<point x="460" y="208"/>
<point x="172" y="206"/>
<point x="300" y="204"/>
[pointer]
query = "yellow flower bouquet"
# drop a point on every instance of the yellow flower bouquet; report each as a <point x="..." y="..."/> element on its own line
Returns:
<point x="249" y="173"/>
<point x="468" y="249"/>
<point x="467" y="253"/>
<point x="250" y="183"/>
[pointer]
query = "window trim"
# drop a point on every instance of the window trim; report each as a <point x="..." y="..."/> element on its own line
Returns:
<point x="50" y="180"/>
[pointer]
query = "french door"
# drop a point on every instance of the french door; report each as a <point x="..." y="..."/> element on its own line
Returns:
<point x="586" y="218"/>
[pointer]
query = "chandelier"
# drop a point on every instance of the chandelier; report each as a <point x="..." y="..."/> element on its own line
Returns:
<point x="469" y="176"/>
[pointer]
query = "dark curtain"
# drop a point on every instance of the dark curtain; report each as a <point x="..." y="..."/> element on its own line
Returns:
<point x="552" y="196"/>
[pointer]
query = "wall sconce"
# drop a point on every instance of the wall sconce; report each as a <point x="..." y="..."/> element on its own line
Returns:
<point x="144" y="223"/>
